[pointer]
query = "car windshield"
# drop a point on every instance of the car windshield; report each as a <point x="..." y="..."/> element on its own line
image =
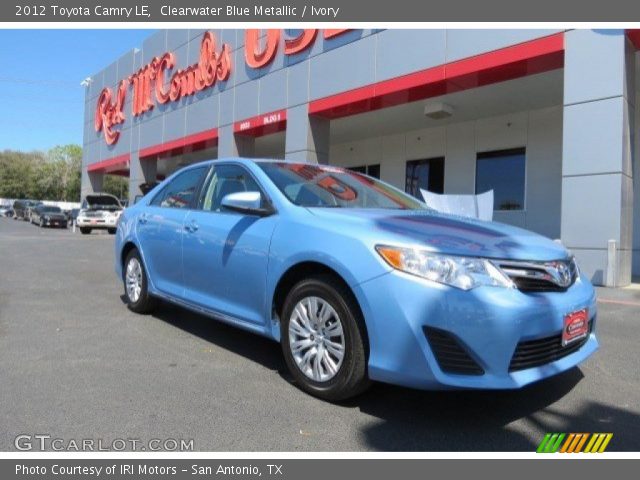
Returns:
<point x="324" y="186"/>
<point x="51" y="209"/>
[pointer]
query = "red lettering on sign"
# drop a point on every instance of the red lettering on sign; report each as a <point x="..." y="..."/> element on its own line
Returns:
<point x="258" y="56"/>
<point x="150" y="84"/>
<point x="301" y="42"/>
<point x="109" y="114"/>
<point x="211" y="67"/>
<point x="167" y="62"/>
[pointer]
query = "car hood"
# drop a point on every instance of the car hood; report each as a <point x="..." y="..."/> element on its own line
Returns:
<point x="444" y="233"/>
<point x="55" y="215"/>
<point x="102" y="202"/>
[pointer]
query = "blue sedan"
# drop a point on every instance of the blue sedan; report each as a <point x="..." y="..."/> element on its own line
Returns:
<point x="358" y="281"/>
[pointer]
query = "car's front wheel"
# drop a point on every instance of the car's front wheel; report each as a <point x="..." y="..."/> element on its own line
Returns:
<point x="324" y="339"/>
<point x="112" y="231"/>
<point x="136" y="284"/>
<point x="85" y="230"/>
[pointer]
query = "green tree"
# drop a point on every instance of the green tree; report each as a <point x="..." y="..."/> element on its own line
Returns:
<point x="18" y="172"/>
<point x="68" y="165"/>
<point x="116" y="185"/>
<point x="51" y="176"/>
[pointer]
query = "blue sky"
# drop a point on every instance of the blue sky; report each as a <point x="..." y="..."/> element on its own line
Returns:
<point x="40" y="74"/>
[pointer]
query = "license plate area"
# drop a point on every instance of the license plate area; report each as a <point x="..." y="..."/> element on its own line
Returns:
<point x="575" y="326"/>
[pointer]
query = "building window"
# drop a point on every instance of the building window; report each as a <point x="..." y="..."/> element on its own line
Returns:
<point x="371" y="170"/>
<point x="425" y="174"/>
<point x="502" y="171"/>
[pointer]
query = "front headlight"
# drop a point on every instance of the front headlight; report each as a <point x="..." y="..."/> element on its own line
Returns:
<point x="460" y="272"/>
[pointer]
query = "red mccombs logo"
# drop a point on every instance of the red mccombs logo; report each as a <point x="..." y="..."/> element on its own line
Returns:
<point x="109" y="113"/>
<point x="149" y="82"/>
<point x="149" y="85"/>
<point x="211" y="66"/>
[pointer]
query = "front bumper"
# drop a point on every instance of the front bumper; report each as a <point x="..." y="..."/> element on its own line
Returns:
<point x="488" y="322"/>
<point x="54" y="222"/>
<point x="97" y="222"/>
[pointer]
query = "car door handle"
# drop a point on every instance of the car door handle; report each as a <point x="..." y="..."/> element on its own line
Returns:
<point x="191" y="227"/>
<point x="142" y="218"/>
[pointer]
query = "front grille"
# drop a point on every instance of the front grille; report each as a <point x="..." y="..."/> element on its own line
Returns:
<point x="536" y="285"/>
<point x="90" y="214"/>
<point x="534" y="353"/>
<point x="532" y="277"/>
<point x="450" y="354"/>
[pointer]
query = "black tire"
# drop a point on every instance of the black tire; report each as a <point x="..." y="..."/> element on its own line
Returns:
<point x="145" y="303"/>
<point x="112" y="231"/>
<point x="351" y="378"/>
<point x="85" y="230"/>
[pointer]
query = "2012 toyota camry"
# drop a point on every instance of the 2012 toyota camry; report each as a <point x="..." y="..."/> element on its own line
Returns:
<point x="357" y="280"/>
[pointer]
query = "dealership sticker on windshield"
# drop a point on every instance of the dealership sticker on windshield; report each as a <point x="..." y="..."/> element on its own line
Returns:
<point x="576" y="326"/>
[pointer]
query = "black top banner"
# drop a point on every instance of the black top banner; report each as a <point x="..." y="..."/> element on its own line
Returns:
<point x="319" y="11"/>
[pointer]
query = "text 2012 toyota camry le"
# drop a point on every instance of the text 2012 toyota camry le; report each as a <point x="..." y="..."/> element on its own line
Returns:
<point x="357" y="280"/>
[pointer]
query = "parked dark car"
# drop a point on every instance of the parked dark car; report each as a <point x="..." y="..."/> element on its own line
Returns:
<point x="21" y="208"/>
<point x="48" y="216"/>
<point x="30" y="210"/>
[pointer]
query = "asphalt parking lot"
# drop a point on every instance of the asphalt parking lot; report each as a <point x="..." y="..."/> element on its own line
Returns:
<point x="76" y="364"/>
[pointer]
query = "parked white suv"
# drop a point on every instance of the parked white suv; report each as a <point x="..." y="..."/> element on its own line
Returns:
<point x="99" y="211"/>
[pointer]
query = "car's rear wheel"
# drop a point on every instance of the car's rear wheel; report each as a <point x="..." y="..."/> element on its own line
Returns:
<point x="85" y="230"/>
<point x="112" y="231"/>
<point x="324" y="339"/>
<point x="136" y="285"/>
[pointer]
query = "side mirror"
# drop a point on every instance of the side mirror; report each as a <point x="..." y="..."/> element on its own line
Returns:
<point x="246" y="202"/>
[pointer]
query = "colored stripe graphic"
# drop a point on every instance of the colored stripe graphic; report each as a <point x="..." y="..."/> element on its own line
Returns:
<point x="550" y="443"/>
<point x="598" y="442"/>
<point x="574" y="443"/>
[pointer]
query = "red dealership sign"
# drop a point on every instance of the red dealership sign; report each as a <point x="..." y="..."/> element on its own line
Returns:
<point x="257" y="55"/>
<point x="108" y="114"/>
<point x="149" y="81"/>
<point x="150" y="84"/>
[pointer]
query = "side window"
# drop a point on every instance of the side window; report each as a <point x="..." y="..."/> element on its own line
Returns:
<point x="180" y="191"/>
<point x="226" y="179"/>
